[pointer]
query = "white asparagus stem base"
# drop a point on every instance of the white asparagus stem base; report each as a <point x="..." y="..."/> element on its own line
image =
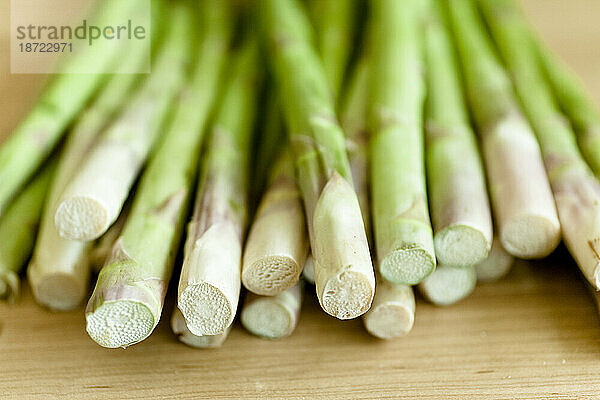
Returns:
<point x="393" y="311"/>
<point x="496" y="265"/>
<point x="344" y="276"/>
<point x="461" y="246"/>
<point x="577" y="197"/>
<point x="277" y="243"/>
<point x="210" y="282"/>
<point x="93" y="200"/>
<point x="184" y="335"/>
<point x="524" y="209"/>
<point x="308" y="272"/>
<point x="272" y="317"/>
<point x="447" y="285"/>
<point x="121" y="315"/>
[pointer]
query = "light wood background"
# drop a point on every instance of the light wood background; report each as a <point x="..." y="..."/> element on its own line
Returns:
<point x="534" y="335"/>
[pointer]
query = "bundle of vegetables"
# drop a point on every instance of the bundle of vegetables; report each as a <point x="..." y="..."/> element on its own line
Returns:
<point x="369" y="177"/>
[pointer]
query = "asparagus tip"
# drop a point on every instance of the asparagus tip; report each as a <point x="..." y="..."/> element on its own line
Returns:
<point x="408" y="265"/>
<point x="119" y="323"/>
<point x="271" y="275"/>
<point x="206" y="309"/>
<point x="460" y="246"/>
<point x="530" y="236"/>
<point x="389" y="320"/>
<point x="81" y="218"/>
<point x="347" y="295"/>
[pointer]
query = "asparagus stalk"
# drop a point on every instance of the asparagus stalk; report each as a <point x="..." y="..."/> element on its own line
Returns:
<point x="343" y="270"/>
<point x="272" y="317"/>
<point x="209" y="285"/>
<point x="448" y="285"/>
<point x="277" y="243"/>
<point x="102" y="248"/>
<point x="127" y="301"/>
<point x="576" y="190"/>
<point x="180" y="329"/>
<point x="18" y="228"/>
<point x="62" y="100"/>
<point x="576" y="104"/>
<point x="354" y="122"/>
<point x="496" y="265"/>
<point x="520" y="194"/>
<point x="334" y="22"/>
<point x="393" y="311"/>
<point x="403" y="236"/>
<point x="458" y="197"/>
<point x="57" y="273"/>
<point x="93" y="199"/>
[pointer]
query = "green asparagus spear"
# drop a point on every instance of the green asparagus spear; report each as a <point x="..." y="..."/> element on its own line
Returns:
<point x="458" y="197"/>
<point x="343" y="270"/>
<point x="524" y="210"/>
<point x="403" y="235"/>
<point x="18" y="227"/>
<point x="209" y="285"/>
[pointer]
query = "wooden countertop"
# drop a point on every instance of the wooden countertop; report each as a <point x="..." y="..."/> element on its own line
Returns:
<point x="533" y="335"/>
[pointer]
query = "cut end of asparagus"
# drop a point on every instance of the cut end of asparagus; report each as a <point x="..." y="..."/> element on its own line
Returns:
<point x="389" y="320"/>
<point x="9" y="286"/>
<point x="120" y="323"/>
<point x="448" y="285"/>
<point x="530" y="236"/>
<point x="496" y="265"/>
<point x="206" y="309"/>
<point x="271" y="275"/>
<point x="81" y="218"/>
<point x="267" y="319"/>
<point x="347" y="295"/>
<point x="179" y="327"/>
<point x="60" y="292"/>
<point x="460" y="246"/>
<point x="407" y="266"/>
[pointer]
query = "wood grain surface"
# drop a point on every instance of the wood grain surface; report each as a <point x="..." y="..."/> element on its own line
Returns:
<point x="533" y="335"/>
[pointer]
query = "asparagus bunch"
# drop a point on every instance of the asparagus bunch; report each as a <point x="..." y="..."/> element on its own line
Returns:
<point x="209" y="285"/>
<point x="576" y="190"/>
<point x="60" y="103"/>
<point x="458" y="196"/>
<point x="57" y="272"/>
<point x="18" y="228"/>
<point x="403" y="235"/>
<point x="127" y="301"/>
<point x="343" y="270"/>
<point x="524" y="209"/>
